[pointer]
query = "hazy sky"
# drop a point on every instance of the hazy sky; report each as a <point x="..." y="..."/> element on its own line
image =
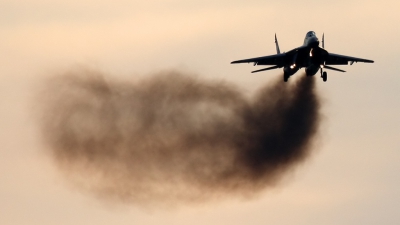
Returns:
<point x="353" y="177"/>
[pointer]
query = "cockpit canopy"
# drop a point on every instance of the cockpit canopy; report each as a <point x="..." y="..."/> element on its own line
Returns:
<point x="310" y="34"/>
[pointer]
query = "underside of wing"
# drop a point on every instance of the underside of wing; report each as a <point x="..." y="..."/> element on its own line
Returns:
<point x="336" y="59"/>
<point x="277" y="59"/>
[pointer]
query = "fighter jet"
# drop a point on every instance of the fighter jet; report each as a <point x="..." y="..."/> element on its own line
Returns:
<point x="309" y="55"/>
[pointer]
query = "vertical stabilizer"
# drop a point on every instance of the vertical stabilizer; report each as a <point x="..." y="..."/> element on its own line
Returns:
<point x="277" y="46"/>
<point x="323" y="41"/>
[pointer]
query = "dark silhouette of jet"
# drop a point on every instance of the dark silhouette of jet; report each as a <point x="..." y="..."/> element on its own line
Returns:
<point x="309" y="55"/>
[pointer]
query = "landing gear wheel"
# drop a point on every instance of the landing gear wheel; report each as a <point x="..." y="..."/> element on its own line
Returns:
<point x="324" y="76"/>
<point x="285" y="78"/>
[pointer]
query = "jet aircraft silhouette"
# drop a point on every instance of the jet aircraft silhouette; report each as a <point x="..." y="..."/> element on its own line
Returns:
<point x="309" y="55"/>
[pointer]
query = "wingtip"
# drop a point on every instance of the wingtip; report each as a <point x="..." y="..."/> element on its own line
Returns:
<point x="238" y="61"/>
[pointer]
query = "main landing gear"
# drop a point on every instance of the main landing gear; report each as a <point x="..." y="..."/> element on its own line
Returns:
<point x="324" y="76"/>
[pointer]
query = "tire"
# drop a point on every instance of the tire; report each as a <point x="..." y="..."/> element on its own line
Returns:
<point x="324" y="76"/>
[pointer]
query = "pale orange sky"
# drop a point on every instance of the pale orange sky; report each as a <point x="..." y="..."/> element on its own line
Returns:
<point x="353" y="178"/>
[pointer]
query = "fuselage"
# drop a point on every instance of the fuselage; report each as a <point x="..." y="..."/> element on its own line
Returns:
<point x="310" y="57"/>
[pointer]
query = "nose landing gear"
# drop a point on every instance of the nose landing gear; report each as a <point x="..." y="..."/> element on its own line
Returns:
<point x="285" y="77"/>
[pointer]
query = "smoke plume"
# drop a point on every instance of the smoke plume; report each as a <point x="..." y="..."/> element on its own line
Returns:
<point x="174" y="138"/>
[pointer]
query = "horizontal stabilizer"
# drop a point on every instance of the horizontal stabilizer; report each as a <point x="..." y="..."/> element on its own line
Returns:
<point x="269" y="68"/>
<point x="333" y="68"/>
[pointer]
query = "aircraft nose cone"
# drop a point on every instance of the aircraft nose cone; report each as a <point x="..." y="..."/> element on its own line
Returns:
<point x="313" y="41"/>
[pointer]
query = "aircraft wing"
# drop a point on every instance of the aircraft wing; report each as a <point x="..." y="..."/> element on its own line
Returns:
<point x="277" y="59"/>
<point x="336" y="59"/>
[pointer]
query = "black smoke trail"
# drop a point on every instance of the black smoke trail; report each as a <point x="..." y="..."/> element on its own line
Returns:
<point x="173" y="138"/>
